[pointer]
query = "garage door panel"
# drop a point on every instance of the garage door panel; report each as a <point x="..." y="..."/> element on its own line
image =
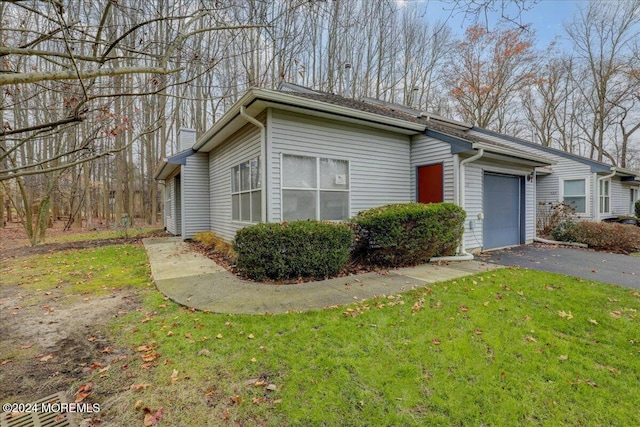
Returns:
<point x="502" y="213"/>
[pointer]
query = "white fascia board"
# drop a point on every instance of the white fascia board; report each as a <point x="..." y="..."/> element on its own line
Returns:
<point x="296" y="103"/>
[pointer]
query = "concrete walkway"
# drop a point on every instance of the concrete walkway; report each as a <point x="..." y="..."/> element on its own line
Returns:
<point x="191" y="279"/>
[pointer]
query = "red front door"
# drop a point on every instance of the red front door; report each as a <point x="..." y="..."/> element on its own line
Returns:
<point x="430" y="186"/>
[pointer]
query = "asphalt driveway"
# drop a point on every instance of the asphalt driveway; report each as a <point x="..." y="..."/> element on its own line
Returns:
<point x="605" y="267"/>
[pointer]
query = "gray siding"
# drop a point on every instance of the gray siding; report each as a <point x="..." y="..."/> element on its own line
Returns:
<point x="474" y="174"/>
<point x="379" y="161"/>
<point x="242" y="146"/>
<point x="427" y="151"/>
<point x="169" y="211"/>
<point x="548" y="189"/>
<point x="195" y="195"/>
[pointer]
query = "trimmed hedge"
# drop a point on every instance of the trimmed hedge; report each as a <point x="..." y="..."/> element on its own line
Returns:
<point x="407" y="234"/>
<point x="290" y="250"/>
<point x="605" y="236"/>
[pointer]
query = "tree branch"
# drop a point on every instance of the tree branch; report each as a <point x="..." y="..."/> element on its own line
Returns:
<point x="17" y="78"/>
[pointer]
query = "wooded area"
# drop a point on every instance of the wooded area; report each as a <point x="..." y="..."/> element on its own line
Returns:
<point x="94" y="92"/>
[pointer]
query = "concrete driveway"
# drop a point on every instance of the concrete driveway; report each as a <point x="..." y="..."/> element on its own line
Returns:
<point x="605" y="267"/>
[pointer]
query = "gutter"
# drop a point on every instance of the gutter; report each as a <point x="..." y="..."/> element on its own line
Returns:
<point x="463" y="254"/>
<point x="263" y="149"/>
<point x="598" y="181"/>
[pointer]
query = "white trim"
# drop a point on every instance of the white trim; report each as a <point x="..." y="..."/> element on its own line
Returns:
<point x="601" y="196"/>
<point x="317" y="188"/>
<point x="587" y="200"/>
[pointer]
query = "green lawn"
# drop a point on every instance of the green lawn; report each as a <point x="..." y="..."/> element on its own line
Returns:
<point x="508" y="347"/>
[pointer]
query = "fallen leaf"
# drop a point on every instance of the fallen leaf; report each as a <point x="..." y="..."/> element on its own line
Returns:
<point x="615" y="314"/>
<point x="563" y="357"/>
<point x="46" y="358"/>
<point x="144" y="348"/>
<point x="204" y="352"/>
<point x="436" y="341"/>
<point x="138" y="404"/>
<point x="254" y="360"/>
<point x="236" y="399"/>
<point x="564" y="315"/>
<point x="250" y="336"/>
<point x="138" y="387"/>
<point x="464" y="308"/>
<point x="219" y="336"/>
<point x="531" y="339"/>
<point x="151" y="419"/>
<point x="594" y="321"/>
<point x="187" y="335"/>
<point x="591" y="383"/>
<point x="83" y="392"/>
<point x="486" y="303"/>
<point x="170" y="333"/>
<point x="91" y="339"/>
<point x="478" y="332"/>
<point x="26" y="346"/>
<point x="174" y="375"/>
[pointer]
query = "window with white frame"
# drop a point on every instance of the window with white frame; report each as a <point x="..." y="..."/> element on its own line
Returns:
<point x="632" y="201"/>
<point x="314" y="188"/>
<point x="604" y="190"/>
<point x="574" y="193"/>
<point x="246" y="191"/>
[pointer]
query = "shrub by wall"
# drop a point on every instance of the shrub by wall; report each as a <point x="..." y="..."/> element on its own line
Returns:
<point x="291" y="250"/>
<point x="636" y="208"/>
<point x="612" y="237"/>
<point x="407" y="234"/>
<point x="605" y="236"/>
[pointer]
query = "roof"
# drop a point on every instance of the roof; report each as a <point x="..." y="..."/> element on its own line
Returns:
<point x="169" y="164"/>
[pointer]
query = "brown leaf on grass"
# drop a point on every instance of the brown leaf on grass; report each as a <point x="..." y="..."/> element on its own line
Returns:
<point x="107" y="350"/>
<point x="563" y="357"/>
<point x="464" y="308"/>
<point x="219" y="336"/>
<point x="150" y="357"/>
<point x="83" y="392"/>
<point x="591" y="383"/>
<point x="143" y="348"/>
<point x="138" y="404"/>
<point x="236" y="399"/>
<point x="46" y="358"/>
<point x="138" y="387"/>
<point x="174" y="375"/>
<point x="594" y="321"/>
<point x="565" y="315"/>
<point x="91" y="339"/>
<point x="478" y="331"/>
<point x="250" y="336"/>
<point x="152" y="418"/>
<point x="187" y="335"/>
<point x="436" y="341"/>
<point x="615" y="314"/>
<point x="26" y="346"/>
<point x="531" y="339"/>
<point x="258" y="400"/>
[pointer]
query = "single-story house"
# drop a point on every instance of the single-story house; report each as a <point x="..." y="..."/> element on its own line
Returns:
<point x="294" y="153"/>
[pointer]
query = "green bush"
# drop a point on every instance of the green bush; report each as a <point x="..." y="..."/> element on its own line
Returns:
<point x="407" y="234"/>
<point x="636" y="207"/>
<point x="291" y="250"/>
<point x="565" y="231"/>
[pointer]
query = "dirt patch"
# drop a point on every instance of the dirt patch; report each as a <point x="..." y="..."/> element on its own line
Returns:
<point x="54" y="341"/>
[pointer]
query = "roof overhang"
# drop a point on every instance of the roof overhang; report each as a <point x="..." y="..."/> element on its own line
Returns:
<point x="492" y="151"/>
<point x="257" y="100"/>
<point x="167" y="166"/>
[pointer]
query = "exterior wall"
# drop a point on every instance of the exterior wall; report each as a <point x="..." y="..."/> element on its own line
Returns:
<point x="548" y="188"/>
<point x="169" y="211"/>
<point x="620" y="198"/>
<point x="195" y="195"/>
<point x="379" y="161"/>
<point x="474" y="175"/>
<point x="242" y="146"/>
<point x="427" y="151"/>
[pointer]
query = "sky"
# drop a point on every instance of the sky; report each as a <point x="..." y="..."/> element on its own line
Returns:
<point x="547" y="17"/>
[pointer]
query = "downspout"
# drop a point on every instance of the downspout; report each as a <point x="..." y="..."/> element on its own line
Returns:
<point x="463" y="255"/>
<point x="598" y="181"/>
<point x="263" y="159"/>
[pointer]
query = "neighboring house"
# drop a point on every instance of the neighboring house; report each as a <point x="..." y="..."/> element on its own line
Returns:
<point x="596" y="190"/>
<point x="293" y="153"/>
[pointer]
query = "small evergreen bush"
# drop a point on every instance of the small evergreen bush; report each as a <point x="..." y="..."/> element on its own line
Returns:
<point x="290" y="250"/>
<point x="565" y="231"/>
<point x="407" y="234"/>
<point x="636" y="208"/>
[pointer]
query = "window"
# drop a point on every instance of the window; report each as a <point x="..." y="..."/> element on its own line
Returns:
<point x="603" y="193"/>
<point x="574" y="193"/>
<point x="246" y="194"/>
<point x="632" y="200"/>
<point x="314" y="188"/>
